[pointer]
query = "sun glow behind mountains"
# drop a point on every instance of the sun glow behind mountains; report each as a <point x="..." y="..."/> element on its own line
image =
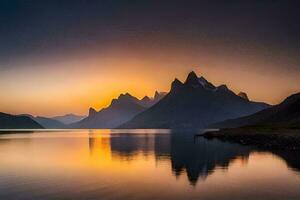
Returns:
<point x="59" y="58"/>
<point x="73" y="86"/>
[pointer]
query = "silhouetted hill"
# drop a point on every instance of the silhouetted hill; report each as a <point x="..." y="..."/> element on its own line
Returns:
<point x="68" y="118"/>
<point x="8" y="121"/>
<point x="46" y="122"/>
<point x="119" y="111"/>
<point x="284" y="114"/>
<point x="196" y="103"/>
<point x="49" y="122"/>
<point x="148" y="102"/>
<point x="122" y="109"/>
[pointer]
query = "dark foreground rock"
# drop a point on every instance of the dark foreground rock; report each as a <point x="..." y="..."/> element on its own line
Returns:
<point x="275" y="138"/>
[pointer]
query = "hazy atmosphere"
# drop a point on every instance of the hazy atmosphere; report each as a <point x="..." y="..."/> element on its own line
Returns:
<point x="143" y="100"/>
<point x="59" y="57"/>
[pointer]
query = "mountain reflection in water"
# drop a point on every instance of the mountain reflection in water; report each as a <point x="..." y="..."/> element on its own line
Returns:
<point x="141" y="164"/>
<point x="195" y="156"/>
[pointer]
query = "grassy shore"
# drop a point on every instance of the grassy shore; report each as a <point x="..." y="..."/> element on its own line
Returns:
<point x="260" y="136"/>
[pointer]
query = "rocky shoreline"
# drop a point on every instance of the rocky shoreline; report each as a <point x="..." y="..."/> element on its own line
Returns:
<point x="274" y="138"/>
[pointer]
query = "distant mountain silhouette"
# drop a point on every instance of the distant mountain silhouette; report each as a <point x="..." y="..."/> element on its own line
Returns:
<point x="46" y="122"/>
<point x="118" y="112"/>
<point x="196" y="103"/>
<point x="148" y="102"/>
<point x="8" y="121"/>
<point x="286" y="113"/>
<point x="49" y="122"/>
<point x="69" y="118"/>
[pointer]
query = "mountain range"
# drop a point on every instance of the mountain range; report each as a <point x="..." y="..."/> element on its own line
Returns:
<point x="196" y="103"/>
<point x="118" y="112"/>
<point x="47" y="122"/>
<point x="57" y="122"/>
<point x="285" y="114"/>
<point x="69" y="118"/>
<point x="8" y="121"/>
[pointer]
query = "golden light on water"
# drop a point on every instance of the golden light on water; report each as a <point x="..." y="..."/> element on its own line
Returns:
<point x="107" y="163"/>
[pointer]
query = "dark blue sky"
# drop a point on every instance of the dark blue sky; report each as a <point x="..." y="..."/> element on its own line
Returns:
<point x="31" y="28"/>
<point x="78" y="54"/>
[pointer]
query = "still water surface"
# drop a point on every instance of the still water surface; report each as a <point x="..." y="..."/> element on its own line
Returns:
<point x="141" y="164"/>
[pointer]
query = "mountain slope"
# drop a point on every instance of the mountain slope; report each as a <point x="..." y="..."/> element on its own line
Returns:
<point x="8" y="121"/>
<point x="68" y="118"/>
<point x="49" y="122"/>
<point x="46" y="122"/>
<point x="194" y="104"/>
<point x="148" y="102"/>
<point x="119" y="111"/>
<point x="286" y="113"/>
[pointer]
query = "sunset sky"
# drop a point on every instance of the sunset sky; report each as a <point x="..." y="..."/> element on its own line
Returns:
<point x="59" y="57"/>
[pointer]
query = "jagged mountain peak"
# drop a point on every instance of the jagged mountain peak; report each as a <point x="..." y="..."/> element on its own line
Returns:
<point x="176" y="84"/>
<point x="194" y="104"/>
<point x="222" y="87"/>
<point x="150" y="101"/>
<point x="124" y="98"/>
<point x="159" y="95"/>
<point x="192" y="74"/>
<point x="198" y="82"/>
<point x="92" y="111"/>
<point x="243" y="95"/>
<point x="192" y="79"/>
<point x="202" y="80"/>
<point x="146" y="98"/>
<point x="156" y="94"/>
<point x="119" y="111"/>
<point x="205" y="83"/>
<point x="126" y="95"/>
<point x="146" y="101"/>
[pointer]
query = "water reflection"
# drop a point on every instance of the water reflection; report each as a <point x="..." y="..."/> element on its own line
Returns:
<point x="200" y="157"/>
<point x="195" y="157"/>
<point x="141" y="164"/>
<point x="292" y="158"/>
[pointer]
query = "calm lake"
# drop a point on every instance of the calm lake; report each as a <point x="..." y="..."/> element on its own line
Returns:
<point x="141" y="164"/>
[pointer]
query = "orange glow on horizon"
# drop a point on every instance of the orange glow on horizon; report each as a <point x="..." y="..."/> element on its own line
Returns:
<point x="94" y="80"/>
